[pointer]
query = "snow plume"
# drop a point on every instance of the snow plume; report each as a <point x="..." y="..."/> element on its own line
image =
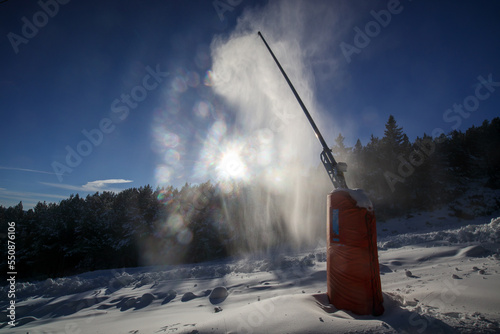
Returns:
<point x="276" y="146"/>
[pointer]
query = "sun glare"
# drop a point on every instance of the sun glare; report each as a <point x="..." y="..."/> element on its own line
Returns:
<point x="231" y="165"/>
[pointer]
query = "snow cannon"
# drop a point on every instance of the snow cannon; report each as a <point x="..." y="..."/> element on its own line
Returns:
<point x="353" y="274"/>
<point x="352" y="268"/>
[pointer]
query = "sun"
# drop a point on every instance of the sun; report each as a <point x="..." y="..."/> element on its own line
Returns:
<point x="231" y="164"/>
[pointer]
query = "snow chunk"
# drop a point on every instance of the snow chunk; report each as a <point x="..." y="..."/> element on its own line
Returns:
<point x="360" y="197"/>
<point x="218" y="295"/>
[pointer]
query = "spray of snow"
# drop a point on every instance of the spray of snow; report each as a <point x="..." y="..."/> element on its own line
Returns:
<point x="276" y="143"/>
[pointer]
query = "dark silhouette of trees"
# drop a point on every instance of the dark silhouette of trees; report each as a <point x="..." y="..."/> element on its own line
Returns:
<point x="401" y="176"/>
<point x="146" y="226"/>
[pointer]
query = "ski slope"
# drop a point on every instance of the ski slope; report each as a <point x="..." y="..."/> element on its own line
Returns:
<point x="440" y="274"/>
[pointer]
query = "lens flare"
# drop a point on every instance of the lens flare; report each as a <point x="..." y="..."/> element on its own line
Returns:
<point x="164" y="140"/>
<point x="179" y="84"/>
<point x="175" y="222"/>
<point x="172" y="157"/>
<point x="165" y="197"/>
<point x="193" y="79"/>
<point x="209" y="80"/>
<point x="203" y="109"/>
<point x="173" y="105"/>
<point x="185" y="236"/>
<point x="163" y="175"/>
<point x="231" y="165"/>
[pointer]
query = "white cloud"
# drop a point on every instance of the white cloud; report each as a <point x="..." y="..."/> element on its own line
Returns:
<point x="93" y="186"/>
<point x="102" y="185"/>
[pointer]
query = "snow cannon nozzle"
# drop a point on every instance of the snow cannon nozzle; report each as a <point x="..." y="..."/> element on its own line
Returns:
<point x="342" y="167"/>
<point x="335" y="170"/>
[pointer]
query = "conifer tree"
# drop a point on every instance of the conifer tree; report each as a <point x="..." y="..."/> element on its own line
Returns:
<point x="339" y="150"/>
<point x="394" y="137"/>
<point x="356" y="166"/>
<point x="394" y="146"/>
<point x="357" y="147"/>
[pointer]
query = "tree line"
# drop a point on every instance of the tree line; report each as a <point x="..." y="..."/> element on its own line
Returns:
<point x="146" y="226"/>
<point x="403" y="176"/>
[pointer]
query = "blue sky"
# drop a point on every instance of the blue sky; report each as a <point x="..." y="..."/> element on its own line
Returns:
<point x="123" y="88"/>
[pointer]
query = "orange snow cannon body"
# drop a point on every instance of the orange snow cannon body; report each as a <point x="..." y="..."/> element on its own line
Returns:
<point x="353" y="274"/>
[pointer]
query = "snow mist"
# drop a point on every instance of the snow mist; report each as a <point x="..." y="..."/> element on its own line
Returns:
<point x="272" y="147"/>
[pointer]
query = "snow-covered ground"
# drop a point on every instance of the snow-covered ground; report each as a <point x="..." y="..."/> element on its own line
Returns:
<point x="440" y="274"/>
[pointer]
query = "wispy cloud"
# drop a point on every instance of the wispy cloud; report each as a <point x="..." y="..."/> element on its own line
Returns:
<point x="26" y="170"/>
<point x="93" y="186"/>
<point x="26" y="195"/>
<point x="63" y="186"/>
<point x="29" y="199"/>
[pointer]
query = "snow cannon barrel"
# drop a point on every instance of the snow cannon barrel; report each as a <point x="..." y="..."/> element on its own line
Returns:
<point x="353" y="274"/>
